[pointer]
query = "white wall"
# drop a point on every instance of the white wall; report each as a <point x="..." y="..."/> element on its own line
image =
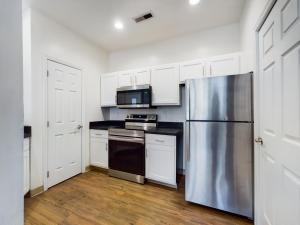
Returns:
<point x="27" y="87"/>
<point x="252" y="11"/>
<point x="53" y="40"/>
<point x="216" y="41"/>
<point x="250" y="17"/>
<point x="11" y="113"/>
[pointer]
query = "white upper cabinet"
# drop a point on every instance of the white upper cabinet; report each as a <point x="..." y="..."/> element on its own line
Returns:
<point x="142" y="76"/>
<point x="191" y="70"/>
<point x="165" y="85"/>
<point x="135" y="77"/>
<point x="223" y="65"/>
<point x="109" y="84"/>
<point x="126" y="78"/>
<point x="165" y="79"/>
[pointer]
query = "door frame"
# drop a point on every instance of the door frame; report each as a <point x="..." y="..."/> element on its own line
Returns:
<point x="257" y="117"/>
<point x="45" y="115"/>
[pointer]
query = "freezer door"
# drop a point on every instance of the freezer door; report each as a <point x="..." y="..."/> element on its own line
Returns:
<point x="225" y="98"/>
<point x="219" y="166"/>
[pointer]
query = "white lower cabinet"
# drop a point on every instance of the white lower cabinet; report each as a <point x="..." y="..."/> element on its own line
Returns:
<point x="26" y="169"/>
<point x="161" y="158"/>
<point x="99" y="148"/>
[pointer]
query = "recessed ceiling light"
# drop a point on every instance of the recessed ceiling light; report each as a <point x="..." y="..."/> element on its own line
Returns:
<point x="194" y="2"/>
<point x="119" y="25"/>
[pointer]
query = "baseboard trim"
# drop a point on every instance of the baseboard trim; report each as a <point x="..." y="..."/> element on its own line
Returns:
<point x="98" y="169"/>
<point x="162" y="184"/>
<point x="87" y="168"/>
<point x="180" y="171"/>
<point x="36" y="191"/>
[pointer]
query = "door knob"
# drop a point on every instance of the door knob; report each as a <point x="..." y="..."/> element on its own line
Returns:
<point x="79" y="127"/>
<point x="259" y="140"/>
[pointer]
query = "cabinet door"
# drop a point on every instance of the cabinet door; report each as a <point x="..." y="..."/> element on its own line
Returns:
<point x="161" y="163"/>
<point x="125" y="79"/>
<point x="191" y="70"/>
<point x="223" y="65"/>
<point x="109" y="84"/>
<point x="142" y="77"/>
<point x="165" y="85"/>
<point x="99" y="152"/>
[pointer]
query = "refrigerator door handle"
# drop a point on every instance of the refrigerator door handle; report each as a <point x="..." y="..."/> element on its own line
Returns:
<point x="187" y="141"/>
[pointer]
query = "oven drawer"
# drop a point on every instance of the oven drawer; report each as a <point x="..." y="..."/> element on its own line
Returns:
<point x="167" y="140"/>
<point x="99" y="133"/>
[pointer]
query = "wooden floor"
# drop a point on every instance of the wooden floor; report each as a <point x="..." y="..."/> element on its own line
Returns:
<point x="94" y="198"/>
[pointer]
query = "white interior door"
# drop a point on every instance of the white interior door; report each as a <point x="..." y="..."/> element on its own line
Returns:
<point x="279" y="40"/>
<point x="64" y="122"/>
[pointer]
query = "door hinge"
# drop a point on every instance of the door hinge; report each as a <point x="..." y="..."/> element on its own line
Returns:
<point x="48" y="174"/>
<point x="48" y="124"/>
<point x="47" y="73"/>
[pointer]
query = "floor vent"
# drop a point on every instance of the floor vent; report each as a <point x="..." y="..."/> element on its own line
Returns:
<point x="146" y="16"/>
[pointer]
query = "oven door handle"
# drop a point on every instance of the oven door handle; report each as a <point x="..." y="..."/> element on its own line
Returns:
<point x="127" y="139"/>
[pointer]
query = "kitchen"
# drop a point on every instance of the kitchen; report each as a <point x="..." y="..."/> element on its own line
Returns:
<point x="152" y="112"/>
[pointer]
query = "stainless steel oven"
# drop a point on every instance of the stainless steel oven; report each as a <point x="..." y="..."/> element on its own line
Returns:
<point x="126" y="148"/>
<point x="134" y="97"/>
<point x="127" y="154"/>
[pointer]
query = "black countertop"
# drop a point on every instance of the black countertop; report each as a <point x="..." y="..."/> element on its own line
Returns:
<point x="163" y="128"/>
<point x="27" y="131"/>
<point x="167" y="128"/>
<point x="105" y="125"/>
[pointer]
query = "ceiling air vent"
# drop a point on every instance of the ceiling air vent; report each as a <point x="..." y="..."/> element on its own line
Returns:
<point x="143" y="17"/>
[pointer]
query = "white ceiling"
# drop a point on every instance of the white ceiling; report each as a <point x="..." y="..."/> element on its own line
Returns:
<point x="94" y="19"/>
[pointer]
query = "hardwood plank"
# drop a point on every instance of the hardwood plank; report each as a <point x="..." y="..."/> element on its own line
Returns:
<point x="94" y="198"/>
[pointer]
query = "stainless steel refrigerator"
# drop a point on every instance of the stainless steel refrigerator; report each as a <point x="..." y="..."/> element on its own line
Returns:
<point x="219" y="143"/>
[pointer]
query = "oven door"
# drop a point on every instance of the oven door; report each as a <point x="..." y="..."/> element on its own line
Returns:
<point x="134" y="98"/>
<point x="127" y="154"/>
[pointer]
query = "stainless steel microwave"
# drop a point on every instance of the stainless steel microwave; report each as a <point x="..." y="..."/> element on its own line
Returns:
<point x="139" y="96"/>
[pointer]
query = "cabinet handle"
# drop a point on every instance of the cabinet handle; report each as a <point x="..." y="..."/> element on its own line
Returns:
<point x="106" y="147"/>
<point x="161" y="141"/>
<point x="146" y="153"/>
